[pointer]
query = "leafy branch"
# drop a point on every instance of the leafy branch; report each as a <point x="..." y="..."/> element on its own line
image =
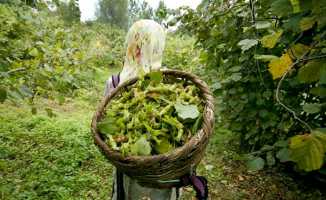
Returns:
<point x="301" y="59"/>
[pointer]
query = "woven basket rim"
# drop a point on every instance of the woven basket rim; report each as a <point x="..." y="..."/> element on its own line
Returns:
<point x="116" y="155"/>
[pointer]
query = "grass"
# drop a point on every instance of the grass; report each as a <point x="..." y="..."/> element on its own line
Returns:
<point x="50" y="158"/>
<point x="55" y="158"/>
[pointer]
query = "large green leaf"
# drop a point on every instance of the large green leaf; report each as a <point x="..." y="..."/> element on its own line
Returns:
<point x="318" y="91"/>
<point x="297" y="50"/>
<point x="216" y="86"/>
<point x="186" y="112"/>
<point x="281" y="7"/>
<point x="321" y="135"/>
<point x="269" y="41"/>
<point x="108" y="126"/>
<point x="236" y="76"/>
<point x="292" y="24"/>
<point x="312" y="108"/>
<point x="283" y="155"/>
<point x="263" y="24"/>
<point x="247" y="44"/>
<point x="265" y="58"/>
<point x="141" y="147"/>
<point x="310" y="72"/>
<point x="319" y="9"/>
<point x="308" y="150"/>
<point x="255" y="164"/>
<point x="307" y="23"/>
<point x="295" y="5"/>
<point x="34" y="52"/>
<point x="281" y="143"/>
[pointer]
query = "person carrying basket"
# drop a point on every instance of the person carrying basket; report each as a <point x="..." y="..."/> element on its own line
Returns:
<point x="145" y="43"/>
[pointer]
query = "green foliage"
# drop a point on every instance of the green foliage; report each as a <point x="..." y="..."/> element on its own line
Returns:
<point x="152" y="113"/>
<point x="51" y="158"/>
<point x="114" y="12"/>
<point x="55" y="158"/>
<point x="69" y="11"/>
<point x="144" y="11"/>
<point x="39" y="55"/>
<point x="20" y="2"/>
<point x="269" y="41"/>
<point x="256" y="164"/>
<point x="164" y="146"/>
<point x="310" y="73"/>
<point x="140" y="9"/>
<point x="186" y="112"/>
<point x="312" y="108"/>
<point x="180" y="53"/>
<point x="308" y="151"/>
<point x="283" y="155"/>
<point x="141" y="147"/>
<point x="247" y="44"/>
<point x="161" y="13"/>
<point x="244" y="73"/>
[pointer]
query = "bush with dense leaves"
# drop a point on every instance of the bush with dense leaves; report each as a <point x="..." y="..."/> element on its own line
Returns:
<point x="247" y="49"/>
<point x="39" y="55"/>
<point x="180" y="53"/>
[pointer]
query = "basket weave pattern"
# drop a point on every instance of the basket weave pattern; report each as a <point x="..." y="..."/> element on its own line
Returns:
<point x="157" y="171"/>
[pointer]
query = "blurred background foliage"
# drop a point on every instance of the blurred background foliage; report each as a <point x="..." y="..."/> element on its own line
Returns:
<point x="42" y="55"/>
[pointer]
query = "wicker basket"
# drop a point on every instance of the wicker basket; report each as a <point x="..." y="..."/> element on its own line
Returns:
<point x="163" y="170"/>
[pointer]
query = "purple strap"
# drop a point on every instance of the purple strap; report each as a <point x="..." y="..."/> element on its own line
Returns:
<point x="111" y="83"/>
<point x="199" y="183"/>
<point x="115" y="80"/>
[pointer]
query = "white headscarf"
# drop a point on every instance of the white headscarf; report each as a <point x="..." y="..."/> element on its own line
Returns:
<point x="145" y="43"/>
